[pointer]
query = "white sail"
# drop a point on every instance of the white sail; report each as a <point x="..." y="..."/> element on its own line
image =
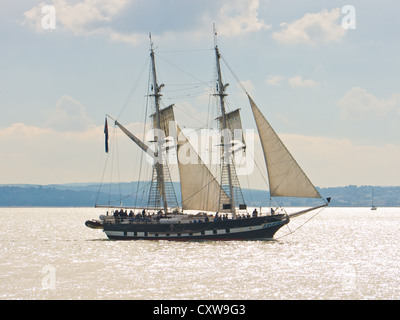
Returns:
<point x="286" y="178"/>
<point x="166" y="116"/>
<point x="233" y="122"/>
<point x="200" y="189"/>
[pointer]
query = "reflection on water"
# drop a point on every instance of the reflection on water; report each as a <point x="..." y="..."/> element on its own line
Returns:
<point x="343" y="253"/>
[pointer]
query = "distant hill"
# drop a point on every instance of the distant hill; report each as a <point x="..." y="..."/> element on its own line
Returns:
<point x="88" y="194"/>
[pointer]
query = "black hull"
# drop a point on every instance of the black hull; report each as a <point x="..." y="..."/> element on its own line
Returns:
<point x="242" y="229"/>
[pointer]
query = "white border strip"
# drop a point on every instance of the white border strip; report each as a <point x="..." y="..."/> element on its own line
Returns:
<point x="152" y="235"/>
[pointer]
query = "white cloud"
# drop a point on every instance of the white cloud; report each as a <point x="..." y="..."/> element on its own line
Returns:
<point x="246" y="86"/>
<point x="232" y="18"/>
<point x="324" y="162"/>
<point x="357" y="103"/>
<point x="38" y="155"/>
<point x="74" y="17"/>
<point x="89" y="17"/>
<point x="41" y="155"/>
<point x="96" y="17"/>
<point x="68" y="115"/>
<point x="133" y="38"/>
<point x="275" y="80"/>
<point x="32" y="154"/>
<point x="330" y="162"/>
<point x="298" y="81"/>
<point x="186" y="114"/>
<point x="312" y="29"/>
<point x="240" y="17"/>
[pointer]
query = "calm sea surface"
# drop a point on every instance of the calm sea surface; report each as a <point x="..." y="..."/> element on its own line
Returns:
<point x="342" y="253"/>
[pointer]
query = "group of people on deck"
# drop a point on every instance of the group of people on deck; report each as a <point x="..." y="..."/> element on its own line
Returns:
<point x="217" y="217"/>
<point x="123" y="215"/>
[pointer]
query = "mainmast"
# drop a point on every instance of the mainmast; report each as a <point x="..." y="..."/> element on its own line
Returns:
<point x="225" y="144"/>
<point x="158" y="165"/>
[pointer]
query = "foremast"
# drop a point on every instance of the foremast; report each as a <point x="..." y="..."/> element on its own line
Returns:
<point x="221" y="87"/>
<point x="158" y="164"/>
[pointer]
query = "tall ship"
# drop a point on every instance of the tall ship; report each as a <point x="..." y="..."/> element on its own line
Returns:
<point x="211" y="205"/>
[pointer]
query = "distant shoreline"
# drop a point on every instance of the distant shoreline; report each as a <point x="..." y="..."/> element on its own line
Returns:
<point x="88" y="194"/>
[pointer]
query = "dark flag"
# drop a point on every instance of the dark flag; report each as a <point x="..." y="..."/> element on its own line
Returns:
<point x="106" y="134"/>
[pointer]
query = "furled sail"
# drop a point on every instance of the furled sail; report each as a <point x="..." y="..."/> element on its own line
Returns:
<point x="200" y="189"/>
<point x="286" y="178"/>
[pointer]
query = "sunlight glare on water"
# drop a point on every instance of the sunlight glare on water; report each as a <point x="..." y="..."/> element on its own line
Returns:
<point x="342" y="253"/>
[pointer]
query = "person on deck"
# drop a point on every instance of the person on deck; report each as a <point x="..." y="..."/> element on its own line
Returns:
<point x="255" y="213"/>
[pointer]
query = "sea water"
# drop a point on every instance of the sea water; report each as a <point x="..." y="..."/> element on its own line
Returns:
<point x="340" y="253"/>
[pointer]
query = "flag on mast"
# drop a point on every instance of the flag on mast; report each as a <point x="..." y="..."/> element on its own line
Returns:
<point x="106" y="134"/>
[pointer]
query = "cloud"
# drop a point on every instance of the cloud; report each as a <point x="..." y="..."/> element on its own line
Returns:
<point x="339" y="162"/>
<point x="275" y="80"/>
<point x="298" y="81"/>
<point x="312" y="29"/>
<point x="43" y="155"/>
<point x="31" y="154"/>
<point x="232" y="18"/>
<point x="186" y="114"/>
<point x="246" y="86"/>
<point x="68" y="115"/>
<point x="357" y="103"/>
<point x="330" y="162"/>
<point x="99" y="17"/>
<point x="88" y="17"/>
<point x="240" y="17"/>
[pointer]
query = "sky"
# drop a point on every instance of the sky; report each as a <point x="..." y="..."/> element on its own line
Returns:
<point x="324" y="73"/>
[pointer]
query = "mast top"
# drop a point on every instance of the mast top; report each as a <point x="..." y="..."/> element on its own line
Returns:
<point x="151" y="42"/>
<point x="215" y="35"/>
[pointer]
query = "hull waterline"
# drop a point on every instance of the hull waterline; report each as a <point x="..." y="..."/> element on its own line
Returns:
<point x="243" y="229"/>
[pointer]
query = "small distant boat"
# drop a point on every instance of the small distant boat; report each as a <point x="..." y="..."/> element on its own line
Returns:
<point x="372" y="204"/>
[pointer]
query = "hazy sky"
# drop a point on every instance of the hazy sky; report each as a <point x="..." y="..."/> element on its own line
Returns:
<point x="327" y="80"/>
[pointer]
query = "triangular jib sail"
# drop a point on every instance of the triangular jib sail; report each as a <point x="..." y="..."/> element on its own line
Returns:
<point x="286" y="178"/>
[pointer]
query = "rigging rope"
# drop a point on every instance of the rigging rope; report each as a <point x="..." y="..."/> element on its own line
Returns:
<point x="133" y="89"/>
<point x="184" y="71"/>
<point x="102" y="178"/>
<point x="144" y="132"/>
<point x="256" y="163"/>
<point x="291" y="232"/>
<point x="234" y="75"/>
